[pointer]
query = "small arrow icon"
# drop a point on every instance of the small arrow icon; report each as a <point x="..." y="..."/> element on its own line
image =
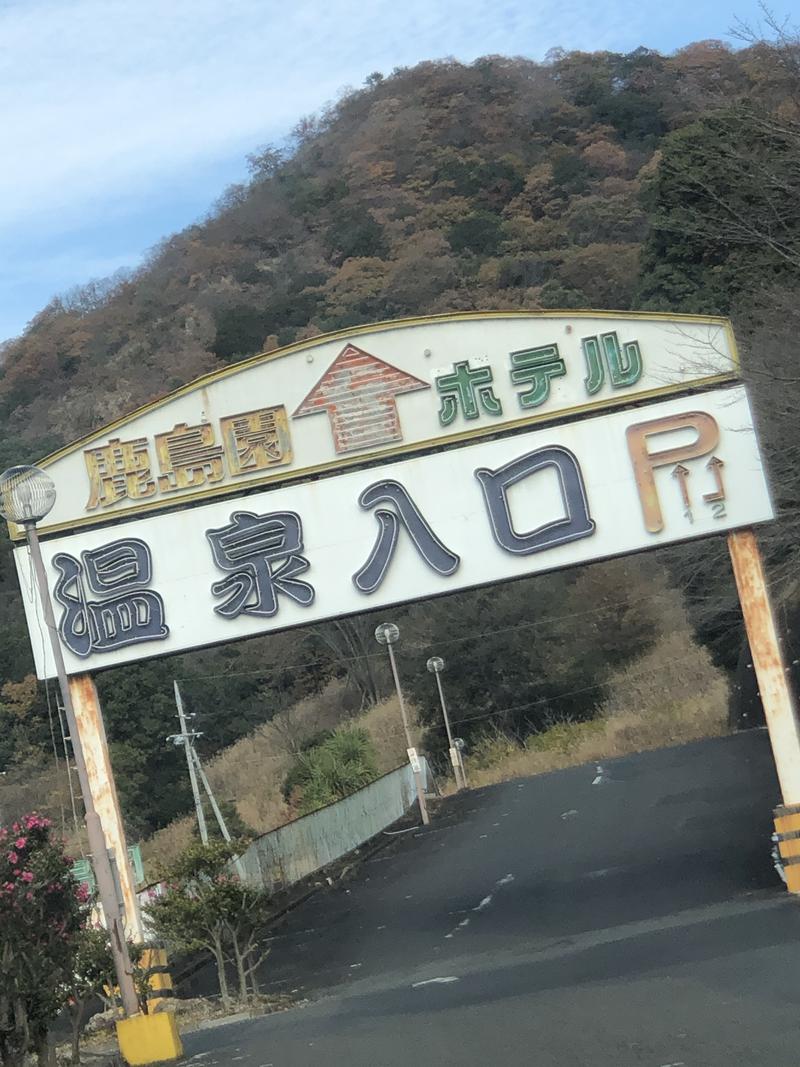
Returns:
<point x="715" y="465"/>
<point x="682" y="473"/>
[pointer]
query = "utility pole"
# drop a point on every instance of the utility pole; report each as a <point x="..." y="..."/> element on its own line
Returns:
<point x="186" y="739"/>
<point x="223" y="826"/>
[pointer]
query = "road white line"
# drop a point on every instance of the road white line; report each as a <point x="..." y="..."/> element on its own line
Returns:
<point x="484" y="903"/>
<point x="435" y="981"/>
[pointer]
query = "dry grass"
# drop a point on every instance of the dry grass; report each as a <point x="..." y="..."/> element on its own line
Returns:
<point x="384" y="725"/>
<point x="250" y="774"/>
<point x="671" y="695"/>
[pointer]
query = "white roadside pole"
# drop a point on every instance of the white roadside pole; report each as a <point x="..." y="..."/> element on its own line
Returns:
<point x="387" y="633"/>
<point x="436" y="665"/>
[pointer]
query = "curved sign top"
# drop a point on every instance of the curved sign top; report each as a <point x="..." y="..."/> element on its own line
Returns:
<point x="375" y="392"/>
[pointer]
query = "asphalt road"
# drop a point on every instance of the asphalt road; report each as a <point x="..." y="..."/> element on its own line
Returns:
<point x="622" y="917"/>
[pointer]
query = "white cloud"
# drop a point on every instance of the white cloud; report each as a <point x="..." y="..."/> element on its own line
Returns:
<point x="107" y="97"/>
<point x="121" y="120"/>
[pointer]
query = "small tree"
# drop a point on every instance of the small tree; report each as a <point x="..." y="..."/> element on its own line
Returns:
<point x="207" y="907"/>
<point x="92" y="977"/>
<point x="42" y="912"/>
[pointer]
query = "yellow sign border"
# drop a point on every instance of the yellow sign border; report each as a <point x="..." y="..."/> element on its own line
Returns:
<point x="236" y="488"/>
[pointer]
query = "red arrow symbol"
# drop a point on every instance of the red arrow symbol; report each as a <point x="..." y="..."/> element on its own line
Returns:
<point x="682" y="473"/>
<point x="715" y="465"/>
<point x="358" y="393"/>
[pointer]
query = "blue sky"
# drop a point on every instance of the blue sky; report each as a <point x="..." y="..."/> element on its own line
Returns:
<point x="123" y="120"/>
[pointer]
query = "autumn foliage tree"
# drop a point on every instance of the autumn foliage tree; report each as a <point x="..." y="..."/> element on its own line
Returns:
<point x="599" y="179"/>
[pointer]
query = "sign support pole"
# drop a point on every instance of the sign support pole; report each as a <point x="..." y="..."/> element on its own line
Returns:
<point x="776" y="694"/>
<point x="101" y="862"/>
<point x="92" y="736"/>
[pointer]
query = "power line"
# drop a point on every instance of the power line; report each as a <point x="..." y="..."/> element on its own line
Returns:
<point x="421" y="646"/>
<point x="633" y="676"/>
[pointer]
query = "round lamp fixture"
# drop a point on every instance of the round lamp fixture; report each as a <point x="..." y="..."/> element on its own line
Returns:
<point x="26" y="495"/>
<point x="435" y="664"/>
<point x="386" y="633"/>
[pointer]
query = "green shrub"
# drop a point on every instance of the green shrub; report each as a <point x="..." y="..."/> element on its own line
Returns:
<point x="331" y="770"/>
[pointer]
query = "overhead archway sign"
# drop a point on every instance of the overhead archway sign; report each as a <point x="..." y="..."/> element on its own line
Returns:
<point x="391" y="463"/>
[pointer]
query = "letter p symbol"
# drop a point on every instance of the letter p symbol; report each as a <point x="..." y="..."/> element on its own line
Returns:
<point x="706" y="431"/>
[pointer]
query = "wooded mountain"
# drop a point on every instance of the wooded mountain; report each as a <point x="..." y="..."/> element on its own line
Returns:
<point x="590" y="180"/>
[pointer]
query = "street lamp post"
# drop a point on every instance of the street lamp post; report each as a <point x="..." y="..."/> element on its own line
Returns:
<point x="387" y="633"/>
<point x="436" y="665"/>
<point x="26" y="495"/>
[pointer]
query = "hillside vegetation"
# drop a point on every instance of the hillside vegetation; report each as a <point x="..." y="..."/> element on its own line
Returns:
<point x="250" y="776"/>
<point x="589" y="180"/>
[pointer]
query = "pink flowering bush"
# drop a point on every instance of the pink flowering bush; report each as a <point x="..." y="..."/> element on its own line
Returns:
<point x="42" y="913"/>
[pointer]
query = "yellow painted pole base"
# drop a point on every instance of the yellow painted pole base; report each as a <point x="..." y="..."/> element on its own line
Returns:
<point x="159" y="980"/>
<point x="146" y="1039"/>
<point x="787" y="827"/>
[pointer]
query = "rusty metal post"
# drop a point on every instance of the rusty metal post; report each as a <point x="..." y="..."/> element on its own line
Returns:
<point x="92" y="735"/>
<point x="776" y="695"/>
<point x="100" y="859"/>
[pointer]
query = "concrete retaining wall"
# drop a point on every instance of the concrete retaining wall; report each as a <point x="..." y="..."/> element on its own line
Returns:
<point x="292" y="852"/>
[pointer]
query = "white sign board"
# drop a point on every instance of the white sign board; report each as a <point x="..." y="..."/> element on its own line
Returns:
<point x="374" y="393"/>
<point x="481" y="513"/>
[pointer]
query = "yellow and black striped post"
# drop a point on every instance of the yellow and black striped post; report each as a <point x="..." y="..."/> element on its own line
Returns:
<point x="159" y="980"/>
<point x="787" y="826"/>
<point x="152" y="1038"/>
